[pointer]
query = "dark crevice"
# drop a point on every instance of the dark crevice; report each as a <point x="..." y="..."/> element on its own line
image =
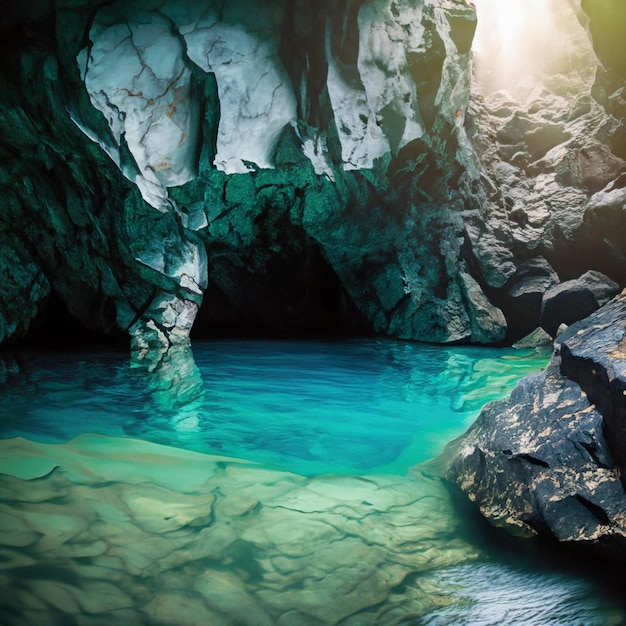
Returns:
<point x="55" y="327"/>
<point x="532" y="459"/>
<point x="598" y="512"/>
<point x="592" y="452"/>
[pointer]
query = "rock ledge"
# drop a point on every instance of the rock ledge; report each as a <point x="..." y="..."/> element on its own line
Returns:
<point x="549" y="460"/>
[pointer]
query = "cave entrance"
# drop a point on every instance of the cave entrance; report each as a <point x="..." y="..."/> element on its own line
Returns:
<point x="521" y="45"/>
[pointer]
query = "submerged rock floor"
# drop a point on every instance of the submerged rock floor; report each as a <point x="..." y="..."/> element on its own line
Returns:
<point x="104" y="530"/>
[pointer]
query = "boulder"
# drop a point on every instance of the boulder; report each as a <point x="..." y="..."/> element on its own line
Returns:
<point x="593" y="353"/>
<point x="488" y="324"/>
<point x="549" y="460"/>
<point x="538" y="338"/>
<point x="566" y="303"/>
<point x="524" y="292"/>
<point x="603" y="288"/>
<point x="575" y="299"/>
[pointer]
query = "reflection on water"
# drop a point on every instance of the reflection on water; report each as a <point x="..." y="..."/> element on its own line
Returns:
<point x="114" y="530"/>
<point x="355" y="406"/>
<point x="175" y="385"/>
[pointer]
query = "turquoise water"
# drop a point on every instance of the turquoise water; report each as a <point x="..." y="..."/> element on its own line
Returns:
<point x="123" y="534"/>
<point x="358" y="406"/>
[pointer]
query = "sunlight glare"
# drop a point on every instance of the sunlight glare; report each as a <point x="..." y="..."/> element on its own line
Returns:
<point x="521" y="41"/>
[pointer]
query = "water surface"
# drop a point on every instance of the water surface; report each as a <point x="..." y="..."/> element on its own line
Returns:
<point x="358" y="406"/>
<point x="313" y="512"/>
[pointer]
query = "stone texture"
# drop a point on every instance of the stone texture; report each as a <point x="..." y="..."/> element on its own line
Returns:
<point x="311" y="171"/>
<point x="566" y="303"/>
<point x="603" y="288"/>
<point x="185" y="538"/>
<point x="606" y="23"/>
<point x="550" y="459"/>
<point x="336" y="158"/>
<point x="575" y="299"/>
<point x="536" y="339"/>
<point x="73" y="220"/>
<point x="593" y="354"/>
<point x="488" y="322"/>
<point x="545" y="143"/>
<point x="524" y="293"/>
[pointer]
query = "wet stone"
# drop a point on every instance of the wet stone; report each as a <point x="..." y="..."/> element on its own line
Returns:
<point x="213" y="542"/>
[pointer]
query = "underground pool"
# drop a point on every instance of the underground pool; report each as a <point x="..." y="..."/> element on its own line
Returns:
<point x="262" y="482"/>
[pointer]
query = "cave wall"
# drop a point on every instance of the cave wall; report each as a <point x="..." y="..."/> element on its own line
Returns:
<point x="290" y="169"/>
<point x="550" y="461"/>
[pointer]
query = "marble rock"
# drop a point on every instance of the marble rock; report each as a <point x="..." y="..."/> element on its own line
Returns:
<point x="338" y="169"/>
<point x="256" y="94"/>
<point x="135" y="75"/>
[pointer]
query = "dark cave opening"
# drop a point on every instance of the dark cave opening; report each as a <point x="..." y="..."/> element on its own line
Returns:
<point x="56" y="328"/>
<point x="295" y="294"/>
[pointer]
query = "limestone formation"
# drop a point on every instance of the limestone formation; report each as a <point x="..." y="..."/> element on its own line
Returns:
<point x="291" y="170"/>
<point x="310" y="187"/>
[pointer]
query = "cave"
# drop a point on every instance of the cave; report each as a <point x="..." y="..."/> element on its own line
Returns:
<point x="294" y="296"/>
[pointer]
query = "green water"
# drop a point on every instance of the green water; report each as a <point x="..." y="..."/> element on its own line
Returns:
<point x="356" y="406"/>
<point x="315" y="510"/>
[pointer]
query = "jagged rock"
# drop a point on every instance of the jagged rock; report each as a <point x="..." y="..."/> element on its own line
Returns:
<point x="542" y="152"/>
<point x="538" y="338"/>
<point x="339" y="157"/>
<point x="538" y="462"/>
<point x="606" y="26"/>
<point x="524" y="292"/>
<point x="549" y="460"/>
<point x="334" y="165"/>
<point x="593" y="353"/>
<point x="575" y="299"/>
<point x="591" y="167"/>
<point x="488" y="324"/>
<point x="600" y="233"/>
<point x="603" y="288"/>
<point x="23" y="289"/>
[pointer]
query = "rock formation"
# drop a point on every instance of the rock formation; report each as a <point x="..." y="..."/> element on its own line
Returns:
<point x="550" y="460"/>
<point x="122" y="531"/>
<point x="291" y="170"/>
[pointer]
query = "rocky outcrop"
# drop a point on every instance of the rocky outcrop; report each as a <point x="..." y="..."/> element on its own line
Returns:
<point x="594" y="355"/>
<point x="301" y="165"/>
<point x="550" y="460"/>
<point x="70" y="222"/>
<point x="606" y="27"/>
<point x="530" y="224"/>
<point x="294" y="170"/>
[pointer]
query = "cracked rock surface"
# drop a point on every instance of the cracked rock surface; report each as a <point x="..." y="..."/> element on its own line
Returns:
<point x="550" y="459"/>
<point x="296" y="170"/>
<point x="128" y="532"/>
